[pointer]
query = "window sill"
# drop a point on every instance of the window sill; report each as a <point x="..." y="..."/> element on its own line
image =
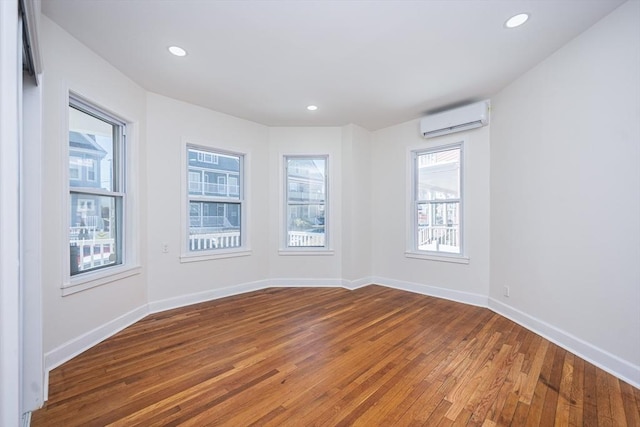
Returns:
<point x="456" y="259"/>
<point x="306" y="252"/>
<point x="98" y="278"/>
<point x="222" y="254"/>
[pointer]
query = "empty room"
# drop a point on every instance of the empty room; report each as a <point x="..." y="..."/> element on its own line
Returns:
<point x="319" y="213"/>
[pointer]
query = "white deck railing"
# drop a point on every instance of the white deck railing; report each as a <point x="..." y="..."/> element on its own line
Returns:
<point x="221" y="240"/>
<point x="204" y="221"/>
<point x="305" y="238"/>
<point x="231" y="239"/>
<point x="87" y="253"/>
<point x="199" y="187"/>
<point x="442" y="238"/>
<point x="306" y="195"/>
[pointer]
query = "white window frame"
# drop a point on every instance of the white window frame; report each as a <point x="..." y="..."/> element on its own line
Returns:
<point x="285" y="249"/>
<point x="129" y="246"/>
<point x="412" y="250"/>
<point x="244" y="249"/>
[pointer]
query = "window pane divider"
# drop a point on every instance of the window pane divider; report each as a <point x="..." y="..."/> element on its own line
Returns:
<point x="96" y="192"/>
<point x="213" y="200"/>
<point x="439" y="201"/>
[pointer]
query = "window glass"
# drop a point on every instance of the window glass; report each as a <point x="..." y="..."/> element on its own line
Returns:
<point x="437" y="200"/>
<point x="96" y="191"/>
<point x="214" y="199"/>
<point x="306" y="190"/>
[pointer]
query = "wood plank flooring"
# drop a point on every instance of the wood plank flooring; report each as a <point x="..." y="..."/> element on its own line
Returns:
<point x="332" y="357"/>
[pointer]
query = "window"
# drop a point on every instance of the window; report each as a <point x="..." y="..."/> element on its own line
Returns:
<point x="96" y="188"/>
<point x="75" y="168"/>
<point x="210" y="158"/>
<point x="205" y="157"/>
<point x="306" y="201"/>
<point x="233" y="185"/>
<point x="91" y="170"/>
<point x="195" y="182"/>
<point x="437" y="200"/>
<point x="215" y="200"/>
<point x="222" y="185"/>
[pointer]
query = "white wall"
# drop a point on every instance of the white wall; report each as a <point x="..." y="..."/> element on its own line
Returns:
<point x="466" y="282"/>
<point x="549" y="133"/>
<point x="69" y="65"/>
<point x="171" y="124"/>
<point x="348" y="262"/>
<point x="565" y="192"/>
<point x="31" y="257"/>
<point x="356" y="204"/>
<point x="10" y="312"/>
<point x="296" y="141"/>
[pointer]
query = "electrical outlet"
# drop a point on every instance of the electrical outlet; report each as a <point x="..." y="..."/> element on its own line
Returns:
<point x="165" y="248"/>
<point x="506" y="291"/>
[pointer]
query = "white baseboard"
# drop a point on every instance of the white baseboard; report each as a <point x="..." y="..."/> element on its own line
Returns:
<point x="305" y="283"/>
<point x="189" y="299"/>
<point x="185" y="300"/>
<point x="358" y="283"/>
<point x="434" y="291"/>
<point x="601" y="358"/>
<point x="74" y="347"/>
<point x="620" y="368"/>
<point x="71" y="349"/>
<point x="26" y="419"/>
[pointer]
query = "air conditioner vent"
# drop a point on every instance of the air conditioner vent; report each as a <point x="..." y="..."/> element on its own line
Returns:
<point x="464" y="118"/>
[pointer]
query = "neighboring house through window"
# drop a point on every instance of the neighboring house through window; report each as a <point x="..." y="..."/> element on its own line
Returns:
<point x="306" y="202"/>
<point x="215" y="200"/>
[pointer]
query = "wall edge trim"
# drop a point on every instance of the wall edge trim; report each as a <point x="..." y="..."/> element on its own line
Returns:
<point x="434" y="291"/>
<point x="78" y="345"/>
<point x="612" y="364"/>
<point x="606" y="361"/>
<point x="212" y="294"/>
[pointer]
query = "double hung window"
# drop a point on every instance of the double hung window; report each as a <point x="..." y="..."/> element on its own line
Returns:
<point x="97" y="191"/>
<point x="437" y="200"/>
<point x="306" y="201"/>
<point x="215" y="200"/>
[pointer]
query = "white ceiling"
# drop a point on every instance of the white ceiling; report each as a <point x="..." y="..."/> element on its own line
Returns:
<point x="371" y="63"/>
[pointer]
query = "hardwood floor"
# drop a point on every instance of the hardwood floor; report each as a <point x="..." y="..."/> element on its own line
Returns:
<point x="332" y="357"/>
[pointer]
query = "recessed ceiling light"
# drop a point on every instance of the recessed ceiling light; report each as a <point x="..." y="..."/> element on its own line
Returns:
<point x="516" y="20"/>
<point x="177" y="51"/>
<point x="312" y="107"/>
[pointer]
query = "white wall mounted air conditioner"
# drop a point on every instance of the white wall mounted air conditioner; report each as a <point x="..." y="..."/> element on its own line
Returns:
<point x="456" y="120"/>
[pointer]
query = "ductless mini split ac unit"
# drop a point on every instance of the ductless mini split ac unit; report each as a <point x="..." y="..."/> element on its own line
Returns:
<point x="456" y="120"/>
